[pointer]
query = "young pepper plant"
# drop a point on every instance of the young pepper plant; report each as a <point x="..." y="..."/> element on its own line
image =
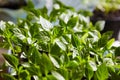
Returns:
<point x="61" y="46"/>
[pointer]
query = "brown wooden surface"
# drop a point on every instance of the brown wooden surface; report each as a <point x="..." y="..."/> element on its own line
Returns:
<point x="2" y="60"/>
<point x="1" y="57"/>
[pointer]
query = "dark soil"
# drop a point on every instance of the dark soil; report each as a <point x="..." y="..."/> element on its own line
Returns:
<point x="112" y="21"/>
<point x="110" y="16"/>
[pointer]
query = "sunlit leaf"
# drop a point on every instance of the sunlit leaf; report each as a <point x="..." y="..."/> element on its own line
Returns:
<point x="46" y="63"/>
<point x="103" y="40"/>
<point x="72" y="22"/>
<point x="89" y="71"/>
<point x="12" y="60"/>
<point x="72" y="64"/>
<point x="54" y="61"/>
<point x="109" y="43"/>
<point x="102" y="72"/>
<point x="84" y="37"/>
<point x="34" y="70"/>
<point x="57" y="75"/>
<point x="24" y="74"/>
<point x="61" y="44"/>
<point x="45" y="24"/>
<point x="75" y="41"/>
<point x="7" y="77"/>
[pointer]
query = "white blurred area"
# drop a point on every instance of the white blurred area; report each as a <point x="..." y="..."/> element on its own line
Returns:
<point x="12" y="15"/>
<point x="81" y="4"/>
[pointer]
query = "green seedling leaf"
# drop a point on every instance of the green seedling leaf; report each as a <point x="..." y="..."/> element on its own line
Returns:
<point x="104" y="39"/>
<point x="18" y="33"/>
<point x="93" y="65"/>
<point x="46" y="63"/>
<point x="61" y="45"/>
<point x="108" y="61"/>
<point x="54" y="61"/>
<point x="54" y="15"/>
<point x="46" y="25"/>
<point x="64" y="72"/>
<point x="44" y="10"/>
<point x="100" y="25"/>
<point x="84" y="37"/>
<point x="55" y="50"/>
<point x="64" y="58"/>
<point x="34" y="70"/>
<point x="35" y="12"/>
<point x="57" y="32"/>
<point x="17" y="49"/>
<point x="12" y="60"/>
<point x="7" y="77"/>
<point x="109" y="43"/>
<point x="57" y="75"/>
<point x="89" y="71"/>
<point x="35" y="56"/>
<point x="62" y="23"/>
<point x="72" y="64"/>
<point x="72" y="22"/>
<point x="85" y="12"/>
<point x="67" y="38"/>
<point x="75" y="41"/>
<point x="111" y="69"/>
<point x="102" y="72"/>
<point x="50" y="77"/>
<point x="25" y="75"/>
<point x="34" y="30"/>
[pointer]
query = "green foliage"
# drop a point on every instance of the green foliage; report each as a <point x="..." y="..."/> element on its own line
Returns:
<point x="12" y="60"/>
<point x="108" y="5"/>
<point x="61" y="46"/>
<point x="102" y="72"/>
<point x="7" y="77"/>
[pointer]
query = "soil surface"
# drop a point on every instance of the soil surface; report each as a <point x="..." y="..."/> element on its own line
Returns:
<point x="112" y="21"/>
<point x="110" y="16"/>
